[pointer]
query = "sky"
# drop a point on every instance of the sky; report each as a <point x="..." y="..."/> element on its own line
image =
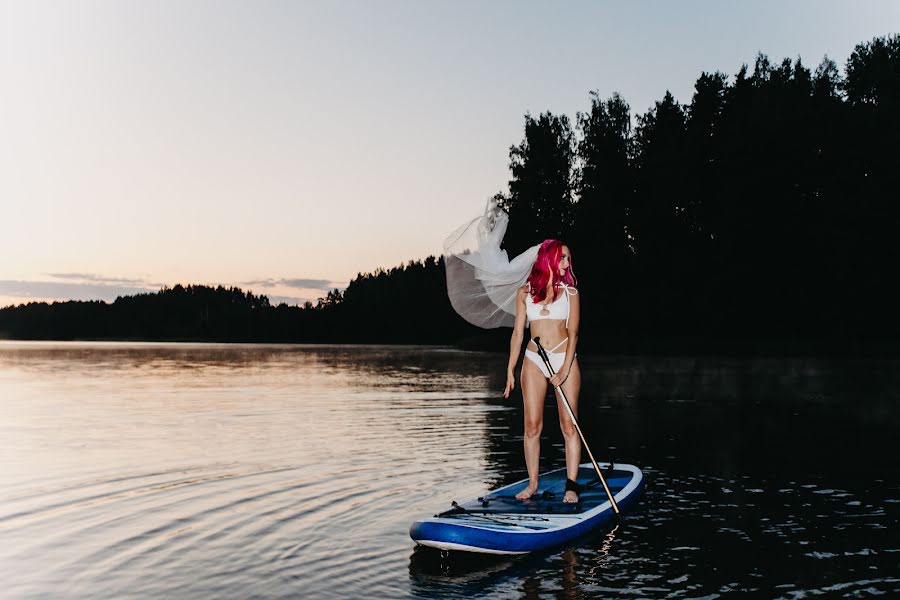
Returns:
<point x="283" y="147"/>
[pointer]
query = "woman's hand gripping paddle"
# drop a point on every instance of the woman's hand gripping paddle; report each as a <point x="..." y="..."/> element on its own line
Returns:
<point x="546" y="359"/>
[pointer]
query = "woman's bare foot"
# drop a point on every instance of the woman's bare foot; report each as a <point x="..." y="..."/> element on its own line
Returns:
<point x="570" y="496"/>
<point x="527" y="493"/>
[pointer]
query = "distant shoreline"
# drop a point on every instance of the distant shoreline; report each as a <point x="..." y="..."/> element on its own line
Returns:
<point x="489" y="343"/>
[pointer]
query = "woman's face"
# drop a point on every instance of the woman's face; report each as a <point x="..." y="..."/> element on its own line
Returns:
<point x="564" y="261"/>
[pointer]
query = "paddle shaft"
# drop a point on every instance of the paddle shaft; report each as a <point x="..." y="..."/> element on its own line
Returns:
<point x="562" y="394"/>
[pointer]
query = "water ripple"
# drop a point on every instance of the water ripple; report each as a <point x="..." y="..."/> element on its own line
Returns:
<point x="197" y="471"/>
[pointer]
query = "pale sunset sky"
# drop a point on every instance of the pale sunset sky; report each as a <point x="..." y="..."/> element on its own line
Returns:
<point x="283" y="147"/>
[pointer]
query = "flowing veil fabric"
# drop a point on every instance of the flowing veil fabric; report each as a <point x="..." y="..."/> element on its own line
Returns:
<point x="481" y="280"/>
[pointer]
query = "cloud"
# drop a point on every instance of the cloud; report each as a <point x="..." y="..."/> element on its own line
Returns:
<point x="69" y="291"/>
<point x="319" y="284"/>
<point x="99" y="279"/>
<point x="298" y="283"/>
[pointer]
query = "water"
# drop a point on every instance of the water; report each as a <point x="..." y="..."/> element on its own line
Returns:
<point x="201" y="471"/>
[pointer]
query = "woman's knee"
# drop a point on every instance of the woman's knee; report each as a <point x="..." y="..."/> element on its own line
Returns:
<point x="533" y="428"/>
<point x="568" y="428"/>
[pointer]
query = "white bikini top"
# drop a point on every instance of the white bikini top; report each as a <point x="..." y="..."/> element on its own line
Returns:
<point x="558" y="309"/>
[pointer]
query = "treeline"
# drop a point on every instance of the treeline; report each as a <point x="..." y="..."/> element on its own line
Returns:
<point x="178" y="313"/>
<point x="764" y="211"/>
<point x="406" y="304"/>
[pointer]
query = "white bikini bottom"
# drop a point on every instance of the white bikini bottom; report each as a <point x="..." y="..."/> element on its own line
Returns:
<point x="556" y="360"/>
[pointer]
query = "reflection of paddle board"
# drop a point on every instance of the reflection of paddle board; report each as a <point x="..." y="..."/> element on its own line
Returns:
<point x="497" y="523"/>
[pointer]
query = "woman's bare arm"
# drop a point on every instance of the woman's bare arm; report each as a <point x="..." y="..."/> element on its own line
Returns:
<point x="515" y="341"/>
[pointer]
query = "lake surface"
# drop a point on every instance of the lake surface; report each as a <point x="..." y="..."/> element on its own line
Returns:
<point x="208" y="471"/>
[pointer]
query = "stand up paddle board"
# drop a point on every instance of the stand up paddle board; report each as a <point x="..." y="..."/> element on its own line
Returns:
<point x="497" y="523"/>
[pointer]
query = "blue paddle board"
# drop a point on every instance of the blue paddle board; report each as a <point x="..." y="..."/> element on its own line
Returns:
<point x="497" y="523"/>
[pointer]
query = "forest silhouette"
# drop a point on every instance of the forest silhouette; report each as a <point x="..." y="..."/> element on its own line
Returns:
<point x="762" y="215"/>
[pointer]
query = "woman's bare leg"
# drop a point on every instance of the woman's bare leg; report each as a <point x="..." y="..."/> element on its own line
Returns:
<point x="534" y="389"/>
<point x="572" y="387"/>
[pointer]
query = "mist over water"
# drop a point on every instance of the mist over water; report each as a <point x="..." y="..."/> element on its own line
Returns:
<point x="201" y="471"/>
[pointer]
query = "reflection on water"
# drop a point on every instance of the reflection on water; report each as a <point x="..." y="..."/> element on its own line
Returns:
<point x="193" y="470"/>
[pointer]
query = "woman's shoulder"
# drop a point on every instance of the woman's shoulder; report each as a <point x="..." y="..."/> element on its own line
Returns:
<point x="525" y="294"/>
<point x="570" y="292"/>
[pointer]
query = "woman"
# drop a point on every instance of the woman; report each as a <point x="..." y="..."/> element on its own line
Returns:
<point x="548" y="303"/>
<point x="537" y="287"/>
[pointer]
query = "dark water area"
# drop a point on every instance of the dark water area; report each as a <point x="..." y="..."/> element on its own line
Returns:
<point x="201" y="471"/>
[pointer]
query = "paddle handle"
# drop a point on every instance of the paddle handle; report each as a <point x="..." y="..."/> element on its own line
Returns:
<point x="562" y="394"/>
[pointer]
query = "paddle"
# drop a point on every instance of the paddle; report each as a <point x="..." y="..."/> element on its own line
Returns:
<point x="546" y="359"/>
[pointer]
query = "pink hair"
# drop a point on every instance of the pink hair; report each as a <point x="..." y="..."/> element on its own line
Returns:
<point x="545" y="270"/>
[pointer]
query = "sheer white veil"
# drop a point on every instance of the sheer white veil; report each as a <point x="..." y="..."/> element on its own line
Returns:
<point x="481" y="280"/>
